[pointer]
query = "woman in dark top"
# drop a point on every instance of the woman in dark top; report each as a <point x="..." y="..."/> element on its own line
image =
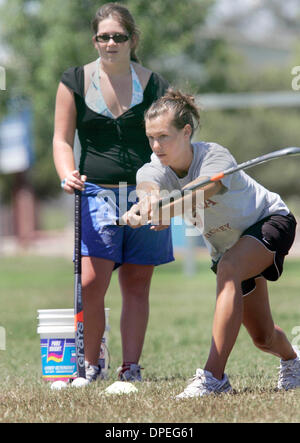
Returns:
<point x="104" y="101"/>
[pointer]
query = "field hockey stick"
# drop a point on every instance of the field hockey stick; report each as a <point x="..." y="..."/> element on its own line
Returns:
<point x="78" y="307"/>
<point x="248" y="164"/>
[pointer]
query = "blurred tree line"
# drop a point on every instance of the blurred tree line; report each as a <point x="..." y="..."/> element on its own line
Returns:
<point x="45" y="37"/>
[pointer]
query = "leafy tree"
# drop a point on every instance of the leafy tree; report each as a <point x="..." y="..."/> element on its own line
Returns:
<point x="46" y="37"/>
<point x="249" y="133"/>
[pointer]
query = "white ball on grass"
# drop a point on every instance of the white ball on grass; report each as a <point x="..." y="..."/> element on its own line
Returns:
<point x="58" y="385"/>
<point x="120" y="387"/>
<point x="79" y="382"/>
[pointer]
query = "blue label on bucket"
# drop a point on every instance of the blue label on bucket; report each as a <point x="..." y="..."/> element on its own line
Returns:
<point x="58" y="358"/>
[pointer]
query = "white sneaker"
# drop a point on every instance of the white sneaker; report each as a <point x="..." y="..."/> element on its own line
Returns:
<point x="204" y="383"/>
<point x="92" y="373"/>
<point x="289" y="373"/>
<point x="130" y="373"/>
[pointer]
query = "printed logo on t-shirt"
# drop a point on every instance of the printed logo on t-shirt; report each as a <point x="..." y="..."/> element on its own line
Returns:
<point x="213" y="231"/>
<point x="209" y="203"/>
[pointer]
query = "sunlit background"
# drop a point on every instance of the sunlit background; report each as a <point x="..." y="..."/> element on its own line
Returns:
<point x="240" y="58"/>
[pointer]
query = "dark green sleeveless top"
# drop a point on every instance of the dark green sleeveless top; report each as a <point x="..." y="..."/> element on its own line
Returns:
<point x="112" y="149"/>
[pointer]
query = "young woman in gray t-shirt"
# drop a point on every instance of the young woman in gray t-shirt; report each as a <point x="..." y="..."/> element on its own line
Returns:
<point x="247" y="229"/>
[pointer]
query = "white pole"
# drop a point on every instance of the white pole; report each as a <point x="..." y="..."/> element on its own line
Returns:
<point x="189" y="265"/>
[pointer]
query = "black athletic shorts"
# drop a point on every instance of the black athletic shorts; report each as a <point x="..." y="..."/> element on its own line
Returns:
<point x="277" y="234"/>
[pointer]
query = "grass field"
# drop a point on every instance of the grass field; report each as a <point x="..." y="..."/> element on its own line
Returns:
<point x="177" y="342"/>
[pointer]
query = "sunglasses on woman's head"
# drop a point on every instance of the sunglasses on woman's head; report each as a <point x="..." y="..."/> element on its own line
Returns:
<point x="117" y="38"/>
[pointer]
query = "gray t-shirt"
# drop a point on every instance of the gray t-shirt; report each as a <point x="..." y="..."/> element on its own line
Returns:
<point x="242" y="202"/>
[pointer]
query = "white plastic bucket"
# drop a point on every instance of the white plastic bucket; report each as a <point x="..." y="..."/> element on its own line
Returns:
<point x="57" y="341"/>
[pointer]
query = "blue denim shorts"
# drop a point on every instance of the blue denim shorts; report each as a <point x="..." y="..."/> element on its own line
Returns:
<point x="121" y="244"/>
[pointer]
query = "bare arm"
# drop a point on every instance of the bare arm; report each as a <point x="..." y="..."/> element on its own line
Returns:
<point x="148" y="194"/>
<point x="186" y="204"/>
<point x="63" y="139"/>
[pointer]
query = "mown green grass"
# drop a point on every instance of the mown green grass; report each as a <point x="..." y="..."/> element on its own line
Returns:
<point x="177" y="342"/>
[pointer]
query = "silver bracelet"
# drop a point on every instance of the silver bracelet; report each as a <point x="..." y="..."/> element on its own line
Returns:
<point x="63" y="182"/>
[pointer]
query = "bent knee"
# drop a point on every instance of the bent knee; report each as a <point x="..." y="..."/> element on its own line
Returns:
<point x="264" y="340"/>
